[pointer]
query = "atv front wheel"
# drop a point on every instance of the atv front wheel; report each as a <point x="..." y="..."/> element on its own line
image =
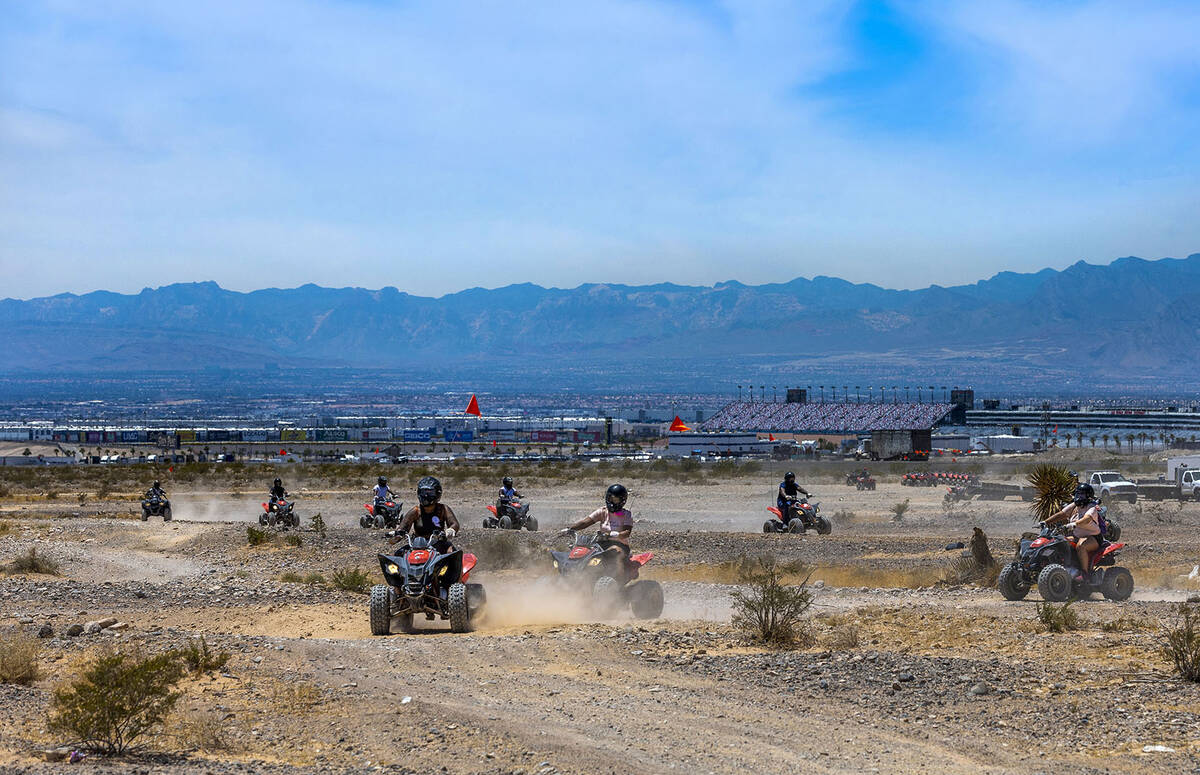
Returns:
<point x="381" y="610"/>
<point x="796" y="526"/>
<point x="1117" y="584"/>
<point x="366" y="521"/>
<point x="769" y="526"/>
<point x="262" y="519"/>
<point x="1054" y="584"/>
<point x="460" y="613"/>
<point x="606" y="595"/>
<point x="1012" y="583"/>
<point x="167" y="514"/>
<point x="531" y="524"/>
<point x="1113" y="534"/>
<point x="506" y="522"/>
<point x="824" y="526"/>
<point x="646" y="599"/>
<point x="145" y="514"/>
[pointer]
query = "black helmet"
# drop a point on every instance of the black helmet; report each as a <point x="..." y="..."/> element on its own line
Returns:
<point x="615" y="497"/>
<point x="383" y="481"/>
<point x="1084" y="494"/>
<point x="789" y="477"/>
<point x="156" y="484"/>
<point x="507" y="482"/>
<point x="429" y="491"/>
<point x="278" y="482"/>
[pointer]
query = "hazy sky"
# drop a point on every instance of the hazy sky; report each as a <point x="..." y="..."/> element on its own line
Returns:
<point x="440" y="145"/>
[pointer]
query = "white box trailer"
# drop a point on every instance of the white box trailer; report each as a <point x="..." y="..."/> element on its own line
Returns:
<point x="1177" y="465"/>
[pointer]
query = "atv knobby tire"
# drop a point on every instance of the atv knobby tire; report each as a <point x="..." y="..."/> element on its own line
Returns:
<point x="824" y="526"/>
<point x="769" y="526"/>
<point x="1012" y="583"/>
<point x="796" y="526"/>
<point x="460" y="613"/>
<point x="1054" y="584"/>
<point x="1117" y="585"/>
<point x="145" y="513"/>
<point x="606" y="595"/>
<point x="646" y="599"/>
<point x="1113" y="534"/>
<point x="167" y="514"/>
<point x="531" y="524"/>
<point x="381" y="610"/>
<point x="506" y="522"/>
<point x="366" y="521"/>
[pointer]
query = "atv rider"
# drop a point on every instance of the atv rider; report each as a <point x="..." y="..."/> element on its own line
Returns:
<point x="1083" y="520"/>
<point x="156" y="491"/>
<point x="382" y="492"/>
<point x="277" y="493"/>
<point x="508" y="494"/>
<point x="615" y="520"/>
<point x="788" y="492"/>
<point x="430" y="515"/>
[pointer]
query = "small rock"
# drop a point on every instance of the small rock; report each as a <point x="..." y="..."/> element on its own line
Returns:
<point x="91" y="628"/>
<point x="75" y="630"/>
<point x="118" y="626"/>
<point x="896" y="686"/>
<point x="906" y="677"/>
<point x="45" y="631"/>
<point x="107" y="622"/>
<point x="1157" y="749"/>
<point x="818" y="584"/>
<point x="823" y="683"/>
<point x="981" y="689"/>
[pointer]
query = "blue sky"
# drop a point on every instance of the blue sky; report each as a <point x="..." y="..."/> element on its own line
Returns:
<point x="440" y="145"/>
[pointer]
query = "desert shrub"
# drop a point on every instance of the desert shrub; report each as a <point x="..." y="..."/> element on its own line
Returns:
<point x="293" y="540"/>
<point x="296" y="697"/>
<point x="18" y="658"/>
<point x="315" y="579"/>
<point x="289" y="577"/>
<point x="844" y="637"/>
<point x="5" y="491"/>
<point x="499" y="549"/>
<point x="1058" y="618"/>
<point x="316" y="523"/>
<point x="197" y="730"/>
<point x="256" y="537"/>
<point x="767" y="609"/>
<point x="899" y="510"/>
<point x="199" y="658"/>
<point x="4" y="528"/>
<point x="352" y="580"/>
<point x="51" y="495"/>
<point x="1054" y="486"/>
<point x="1181" y="642"/>
<point x="32" y="562"/>
<point x="117" y="699"/>
<point x="1127" y="624"/>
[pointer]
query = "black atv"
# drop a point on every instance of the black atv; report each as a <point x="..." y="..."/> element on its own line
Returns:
<point x="423" y="580"/>
<point x="801" y="516"/>
<point x="279" y="512"/>
<point x="1049" y="561"/>
<point x="600" y="569"/>
<point x="510" y="515"/>
<point x="382" y="514"/>
<point x="156" y="506"/>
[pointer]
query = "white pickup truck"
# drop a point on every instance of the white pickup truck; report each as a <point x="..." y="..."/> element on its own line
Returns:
<point x="1111" y="485"/>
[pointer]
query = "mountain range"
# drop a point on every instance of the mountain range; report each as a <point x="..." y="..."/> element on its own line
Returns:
<point x="1131" y="322"/>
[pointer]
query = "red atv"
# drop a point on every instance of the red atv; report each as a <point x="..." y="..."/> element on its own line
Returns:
<point x="279" y="512"/>
<point x="511" y="515"/>
<point x="1050" y="561"/>
<point x="382" y="514"/>
<point x="423" y="580"/>
<point x="801" y="516"/>
<point x="597" y="566"/>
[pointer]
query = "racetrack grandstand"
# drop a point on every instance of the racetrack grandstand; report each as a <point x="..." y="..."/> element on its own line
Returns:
<point x="840" y="418"/>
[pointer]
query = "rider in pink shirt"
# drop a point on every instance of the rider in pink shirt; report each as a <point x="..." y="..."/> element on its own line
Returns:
<point x="615" y="520"/>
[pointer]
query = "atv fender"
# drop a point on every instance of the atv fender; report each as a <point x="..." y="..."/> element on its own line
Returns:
<point x="468" y="563"/>
<point x="492" y="509"/>
<point x="641" y="559"/>
<point x="774" y="510"/>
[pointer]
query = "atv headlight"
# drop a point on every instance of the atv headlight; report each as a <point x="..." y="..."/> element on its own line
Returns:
<point x="593" y="562"/>
<point x="555" y="564"/>
<point x="393" y="569"/>
<point x="442" y="570"/>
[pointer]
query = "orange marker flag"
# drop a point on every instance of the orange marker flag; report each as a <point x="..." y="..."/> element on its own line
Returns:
<point x="678" y="425"/>
<point x="473" y="406"/>
<point x="770" y="437"/>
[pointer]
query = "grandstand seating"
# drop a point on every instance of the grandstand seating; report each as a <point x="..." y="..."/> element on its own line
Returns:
<point x="825" y="417"/>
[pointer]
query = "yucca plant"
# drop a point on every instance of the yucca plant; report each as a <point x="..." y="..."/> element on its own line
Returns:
<point x="1054" y="486"/>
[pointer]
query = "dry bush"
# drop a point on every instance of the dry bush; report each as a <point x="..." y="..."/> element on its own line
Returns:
<point x="769" y="610"/>
<point x="1128" y="624"/>
<point x="4" y="528"/>
<point x="315" y="579"/>
<point x="899" y="510"/>
<point x="199" y="658"/>
<point x="352" y="580"/>
<point x="19" y="658"/>
<point x="293" y="540"/>
<point x="316" y="523"/>
<point x="199" y="731"/>
<point x="256" y="537"/>
<point x="118" y="698"/>
<point x="32" y="562"/>
<point x="1058" y="618"/>
<point x="298" y="697"/>
<point x="1181" y="642"/>
<point x="290" y="577"/>
<point x="844" y="637"/>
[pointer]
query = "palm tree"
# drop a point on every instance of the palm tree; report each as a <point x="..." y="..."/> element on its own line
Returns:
<point x="1079" y="439"/>
<point x="1092" y="439"/>
<point x="1104" y="436"/>
<point x="1142" y="439"/>
<point x="1129" y="437"/>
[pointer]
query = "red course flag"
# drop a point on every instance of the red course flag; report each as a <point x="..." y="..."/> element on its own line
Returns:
<point x="770" y="437"/>
<point x="283" y="452"/>
<point x="473" y="406"/>
<point x="678" y="425"/>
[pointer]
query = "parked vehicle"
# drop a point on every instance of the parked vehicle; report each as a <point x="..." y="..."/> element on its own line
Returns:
<point x="1181" y="481"/>
<point x="1050" y="562"/>
<point x="1111" y="485"/>
<point x="420" y="579"/>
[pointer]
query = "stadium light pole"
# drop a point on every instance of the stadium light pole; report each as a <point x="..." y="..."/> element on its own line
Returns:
<point x="870" y="394"/>
<point x="739" y="392"/>
<point x="846" y="393"/>
<point x="931" y="398"/>
<point x="907" y="397"/>
<point x="833" y="398"/>
<point x="918" y="394"/>
<point x="895" y="394"/>
<point x="857" y="395"/>
<point x="822" y="393"/>
<point x="762" y="392"/>
<point x="774" y="394"/>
